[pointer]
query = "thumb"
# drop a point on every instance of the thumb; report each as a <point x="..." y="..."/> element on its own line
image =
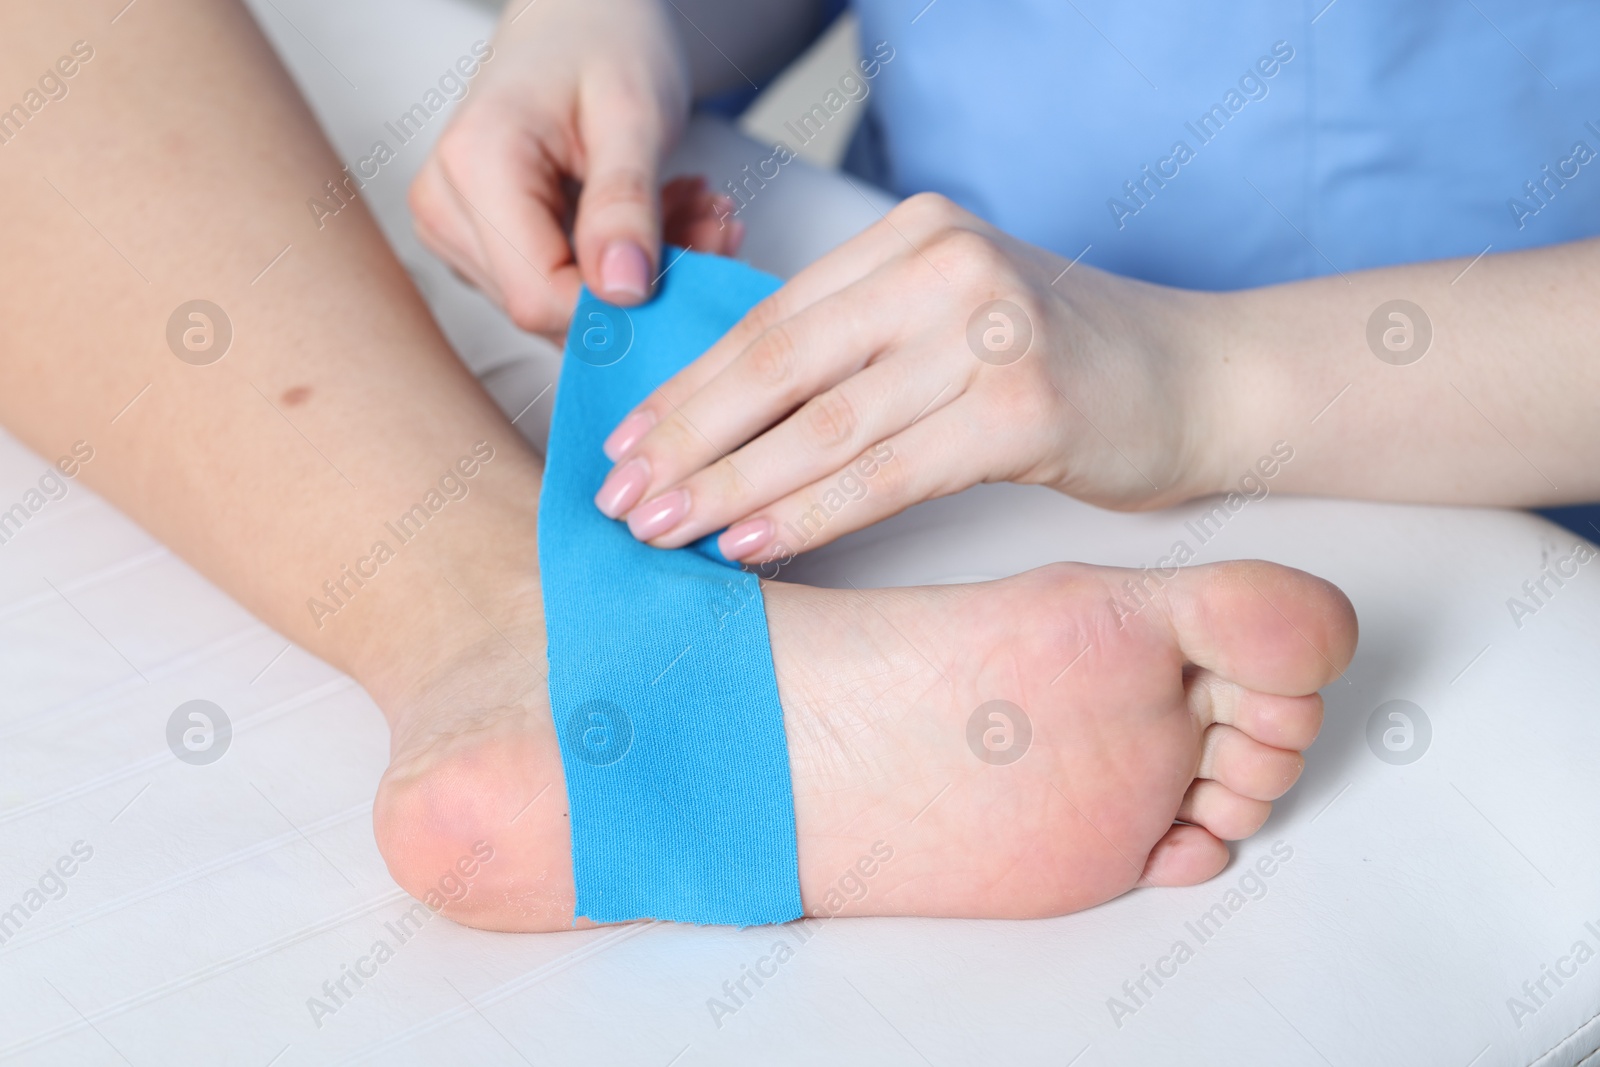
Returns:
<point x="617" y="233"/>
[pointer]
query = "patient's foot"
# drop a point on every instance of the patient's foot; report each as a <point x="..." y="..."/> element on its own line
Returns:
<point x="1193" y="708"/>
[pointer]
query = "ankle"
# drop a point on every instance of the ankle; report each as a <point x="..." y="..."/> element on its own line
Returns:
<point x="470" y="597"/>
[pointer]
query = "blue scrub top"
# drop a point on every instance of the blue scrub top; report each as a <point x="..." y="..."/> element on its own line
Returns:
<point x="1227" y="145"/>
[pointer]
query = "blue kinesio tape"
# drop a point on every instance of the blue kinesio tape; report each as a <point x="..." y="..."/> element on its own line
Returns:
<point x="665" y="702"/>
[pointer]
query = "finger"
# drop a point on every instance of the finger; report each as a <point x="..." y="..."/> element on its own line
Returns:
<point x="617" y="234"/>
<point x="1246" y="766"/>
<point x="920" y="463"/>
<point x="1282" y="722"/>
<point x="705" y="226"/>
<point x="702" y="221"/>
<point x="683" y="200"/>
<point x="680" y="192"/>
<point x="786" y="366"/>
<point x="818" y="444"/>
<point x="844" y="266"/>
<point x="708" y="233"/>
<point x="441" y="224"/>
<point x="510" y="190"/>
<point x="1222" y="811"/>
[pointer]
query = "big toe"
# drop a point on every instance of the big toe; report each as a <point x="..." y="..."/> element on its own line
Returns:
<point x="1268" y="628"/>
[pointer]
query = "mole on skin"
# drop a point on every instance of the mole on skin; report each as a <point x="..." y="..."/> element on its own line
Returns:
<point x="297" y="395"/>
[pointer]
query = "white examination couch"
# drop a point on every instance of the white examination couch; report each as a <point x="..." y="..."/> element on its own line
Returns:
<point x="1430" y="911"/>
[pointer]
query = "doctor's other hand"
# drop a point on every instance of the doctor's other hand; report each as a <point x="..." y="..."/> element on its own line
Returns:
<point x="565" y="128"/>
<point x="926" y="355"/>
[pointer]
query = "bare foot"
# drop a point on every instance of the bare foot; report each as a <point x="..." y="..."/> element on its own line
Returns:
<point x="1143" y="741"/>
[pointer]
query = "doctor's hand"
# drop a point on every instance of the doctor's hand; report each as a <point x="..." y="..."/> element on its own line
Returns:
<point x="928" y="354"/>
<point x="564" y="129"/>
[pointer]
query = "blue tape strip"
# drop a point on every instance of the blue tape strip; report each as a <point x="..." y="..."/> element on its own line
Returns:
<point x="665" y="700"/>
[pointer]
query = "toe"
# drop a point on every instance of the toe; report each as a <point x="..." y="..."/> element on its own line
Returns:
<point x="1246" y="766"/>
<point x="1185" y="855"/>
<point x="1266" y="627"/>
<point x="1279" y="721"/>
<point x="1215" y="807"/>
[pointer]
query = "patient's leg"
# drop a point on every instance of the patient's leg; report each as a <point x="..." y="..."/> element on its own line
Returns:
<point x="178" y="168"/>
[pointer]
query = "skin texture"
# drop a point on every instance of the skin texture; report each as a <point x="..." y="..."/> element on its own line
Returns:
<point x="1129" y="396"/>
<point x="180" y="165"/>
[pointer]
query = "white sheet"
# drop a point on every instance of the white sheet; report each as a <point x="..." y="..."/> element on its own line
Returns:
<point x="219" y="898"/>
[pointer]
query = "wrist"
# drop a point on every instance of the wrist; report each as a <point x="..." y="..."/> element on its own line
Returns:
<point x="1214" y="368"/>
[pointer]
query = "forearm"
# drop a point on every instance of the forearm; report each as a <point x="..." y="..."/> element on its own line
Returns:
<point x="1499" y="409"/>
<point x="179" y="167"/>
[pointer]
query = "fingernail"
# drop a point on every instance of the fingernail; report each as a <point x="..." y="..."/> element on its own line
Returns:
<point x="627" y="434"/>
<point x="622" y="488"/>
<point x="625" y="270"/>
<point x="656" y="517"/>
<point x="745" y="539"/>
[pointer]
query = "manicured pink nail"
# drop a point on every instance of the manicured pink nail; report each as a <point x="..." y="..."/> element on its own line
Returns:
<point x="622" y="488"/>
<point x="655" y="517"/>
<point x="745" y="539"/>
<point x="627" y="434"/>
<point x="625" y="270"/>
